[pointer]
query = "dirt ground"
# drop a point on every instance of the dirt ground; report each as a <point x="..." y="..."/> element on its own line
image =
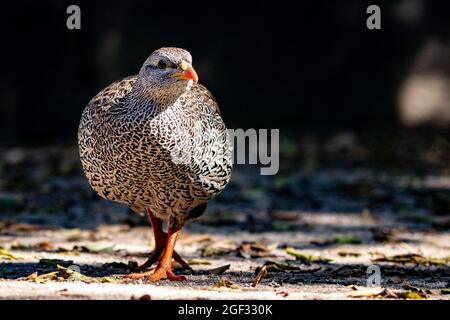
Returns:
<point x="314" y="231"/>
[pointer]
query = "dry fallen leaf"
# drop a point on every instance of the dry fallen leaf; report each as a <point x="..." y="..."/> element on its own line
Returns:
<point x="261" y="275"/>
<point x="410" y="293"/>
<point x="110" y="280"/>
<point x="74" y="235"/>
<point x="22" y="227"/>
<point x="43" y="278"/>
<point x="69" y="252"/>
<point x="304" y="257"/>
<point x="411" y="258"/>
<point x="7" y="255"/>
<point x="277" y="266"/>
<point x="348" y="254"/>
<point x="366" y="292"/>
<point x="45" y="246"/>
<point x="95" y="248"/>
<point x="284" y="215"/>
<point x="216" y="249"/>
<point x="413" y="292"/>
<point x="225" y="283"/>
<point x="350" y="271"/>
<point x="250" y="250"/>
<point x="73" y="275"/>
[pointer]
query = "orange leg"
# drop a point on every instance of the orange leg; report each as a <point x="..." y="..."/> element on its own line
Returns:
<point x="165" y="264"/>
<point x="160" y="244"/>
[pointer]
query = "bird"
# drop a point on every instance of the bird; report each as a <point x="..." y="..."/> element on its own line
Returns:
<point x="156" y="142"/>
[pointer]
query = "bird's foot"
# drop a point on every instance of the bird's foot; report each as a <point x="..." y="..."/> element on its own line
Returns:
<point x="161" y="273"/>
<point x="139" y="275"/>
<point x="156" y="274"/>
<point x="155" y="255"/>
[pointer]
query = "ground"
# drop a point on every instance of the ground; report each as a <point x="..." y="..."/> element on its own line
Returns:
<point x="329" y="226"/>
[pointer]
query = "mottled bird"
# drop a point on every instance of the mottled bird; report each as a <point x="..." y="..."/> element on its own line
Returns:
<point x="156" y="142"/>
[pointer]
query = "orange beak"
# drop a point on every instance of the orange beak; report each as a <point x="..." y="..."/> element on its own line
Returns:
<point x="188" y="72"/>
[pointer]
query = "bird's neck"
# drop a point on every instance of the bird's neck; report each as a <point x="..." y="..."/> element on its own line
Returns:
<point x="147" y="94"/>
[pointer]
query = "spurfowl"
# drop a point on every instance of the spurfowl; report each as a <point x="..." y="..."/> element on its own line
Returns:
<point x="156" y="141"/>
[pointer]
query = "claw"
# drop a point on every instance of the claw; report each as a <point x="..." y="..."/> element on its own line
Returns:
<point x="163" y="273"/>
<point x="173" y="277"/>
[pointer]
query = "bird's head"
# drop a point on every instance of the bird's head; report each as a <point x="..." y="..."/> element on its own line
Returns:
<point x="168" y="69"/>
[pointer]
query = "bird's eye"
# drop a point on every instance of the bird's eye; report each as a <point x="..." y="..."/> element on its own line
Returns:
<point x="162" y="64"/>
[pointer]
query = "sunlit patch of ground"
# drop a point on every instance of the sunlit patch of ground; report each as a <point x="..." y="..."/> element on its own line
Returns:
<point x="316" y="230"/>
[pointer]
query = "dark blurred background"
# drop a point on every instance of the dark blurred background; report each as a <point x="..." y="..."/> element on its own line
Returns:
<point x="303" y="67"/>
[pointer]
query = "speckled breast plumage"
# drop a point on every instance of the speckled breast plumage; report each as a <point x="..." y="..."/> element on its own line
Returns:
<point x="170" y="159"/>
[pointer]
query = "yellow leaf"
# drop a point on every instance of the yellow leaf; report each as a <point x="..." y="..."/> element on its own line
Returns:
<point x="42" y="278"/>
<point x="366" y="293"/>
<point x="225" y="283"/>
<point x="7" y="255"/>
<point x="304" y="257"/>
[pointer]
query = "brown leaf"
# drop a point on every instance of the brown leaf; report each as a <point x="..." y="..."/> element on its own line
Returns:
<point x="40" y="246"/>
<point x="42" y="278"/>
<point x="225" y="283"/>
<point x="70" y="274"/>
<point x="45" y="246"/>
<point x="411" y="293"/>
<point x="412" y="258"/>
<point x="75" y="251"/>
<point x="276" y="266"/>
<point x="250" y="250"/>
<point x="348" y="254"/>
<point x="286" y="215"/>
<point x="22" y="227"/>
<point x="350" y="271"/>
<point x="215" y="250"/>
<point x="261" y="275"/>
